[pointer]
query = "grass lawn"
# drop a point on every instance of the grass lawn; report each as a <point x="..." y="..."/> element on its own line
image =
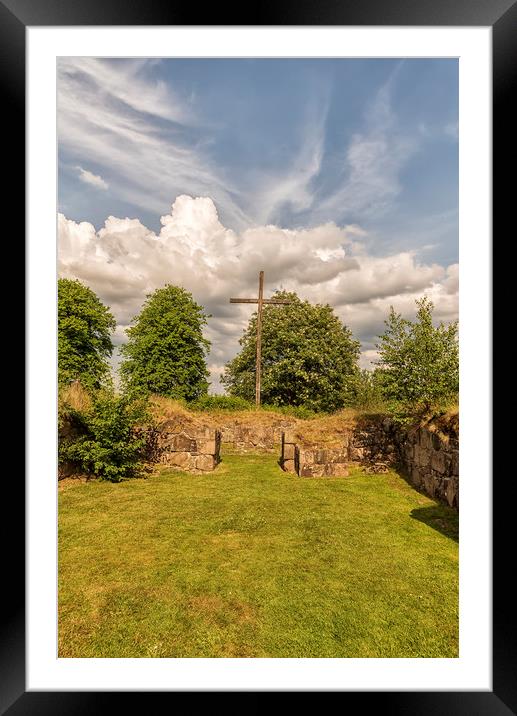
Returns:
<point x="249" y="561"/>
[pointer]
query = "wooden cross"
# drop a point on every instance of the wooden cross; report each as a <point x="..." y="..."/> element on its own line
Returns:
<point x="261" y="301"/>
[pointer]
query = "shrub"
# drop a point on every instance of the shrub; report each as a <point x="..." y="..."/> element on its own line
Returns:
<point x="296" y="411"/>
<point x="106" y="437"/>
<point x="366" y="391"/>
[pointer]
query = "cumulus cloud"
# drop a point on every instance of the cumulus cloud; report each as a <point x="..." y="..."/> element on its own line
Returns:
<point x="124" y="261"/>
<point x="92" y="179"/>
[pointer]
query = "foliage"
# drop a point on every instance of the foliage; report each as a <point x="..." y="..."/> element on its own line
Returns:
<point x="308" y="357"/>
<point x="295" y="411"/>
<point x="165" y="353"/>
<point x="105" y="439"/>
<point x="366" y="389"/>
<point x="220" y="402"/>
<point x="419" y="363"/>
<point x="84" y="333"/>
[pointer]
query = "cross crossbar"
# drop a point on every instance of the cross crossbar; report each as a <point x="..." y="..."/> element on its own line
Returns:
<point x="271" y="301"/>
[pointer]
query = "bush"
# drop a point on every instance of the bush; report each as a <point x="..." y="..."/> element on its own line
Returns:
<point x="220" y="402"/>
<point x="366" y="391"/>
<point x="106" y="440"/>
<point x="296" y="411"/>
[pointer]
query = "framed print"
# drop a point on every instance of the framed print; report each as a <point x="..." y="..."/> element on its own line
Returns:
<point x="226" y="205"/>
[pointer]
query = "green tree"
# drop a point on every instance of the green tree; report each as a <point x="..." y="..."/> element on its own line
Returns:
<point x="308" y="357"/>
<point x="166" y="350"/>
<point x="367" y="390"/>
<point x="84" y="333"/>
<point x="419" y="363"/>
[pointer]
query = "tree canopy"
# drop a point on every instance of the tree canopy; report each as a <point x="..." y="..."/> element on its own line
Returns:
<point x="419" y="363"/>
<point x="308" y="357"/>
<point x="166" y="350"/>
<point x="85" y="326"/>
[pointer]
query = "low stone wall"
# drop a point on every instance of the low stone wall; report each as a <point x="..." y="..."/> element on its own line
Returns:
<point x="428" y="455"/>
<point x="430" y="459"/>
<point x="312" y="462"/>
<point x="252" y="437"/>
<point x="193" y="449"/>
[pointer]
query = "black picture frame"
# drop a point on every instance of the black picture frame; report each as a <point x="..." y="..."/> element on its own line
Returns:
<point x="501" y="15"/>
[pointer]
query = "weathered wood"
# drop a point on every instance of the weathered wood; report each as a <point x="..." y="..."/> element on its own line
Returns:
<point x="260" y="301"/>
<point x="259" y="338"/>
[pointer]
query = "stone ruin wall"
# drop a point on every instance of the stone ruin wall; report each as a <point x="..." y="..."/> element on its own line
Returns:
<point x="194" y="449"/>
<point x="244" y="437"/>
<point x="428" y="457"/>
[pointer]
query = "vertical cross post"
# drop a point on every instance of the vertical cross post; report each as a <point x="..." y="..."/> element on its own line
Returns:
<point x="261" y="301"/>
<point x="259" y="338"/>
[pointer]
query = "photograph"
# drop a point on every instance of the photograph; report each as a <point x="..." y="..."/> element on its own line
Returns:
<point x="258" y="357"/>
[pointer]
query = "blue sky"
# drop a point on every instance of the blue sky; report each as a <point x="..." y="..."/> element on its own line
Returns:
<point x="297" y="144"/>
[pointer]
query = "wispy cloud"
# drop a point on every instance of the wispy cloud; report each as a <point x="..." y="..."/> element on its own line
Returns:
<point x="292" y="186"/>
<point x="93" y="179"/>
<point x="108" y="111"/>
<point x="373" y="160"/>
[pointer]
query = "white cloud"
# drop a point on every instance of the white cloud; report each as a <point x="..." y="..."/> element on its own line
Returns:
<point x="124" y="261"/>
<point x="92" y="179"/>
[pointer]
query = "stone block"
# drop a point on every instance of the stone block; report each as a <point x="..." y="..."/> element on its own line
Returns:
<point x="356" y="453"/>
<point x="415" y="476"/>
<point x="288" y="436"/>
<point x="422" y="456"/>
<point x="311" y="470"/>
<point x="336" y="469"/>
<point x="321" y="456"/>
<point x="204" y="462"/>
<point x="337" y="456"/>
<point x="305" y="457"/>
<point x="207" y="446"/>
<point x="178" y="459"/>
<point x="288" y="453"/>
<point x="455" y="462"/>
<point x="439" y="461"/>
<point x="429" y="483"/>
<point x="184" y="443"/>
<point x="452" y="492"/>
<point x="288" y="466"/>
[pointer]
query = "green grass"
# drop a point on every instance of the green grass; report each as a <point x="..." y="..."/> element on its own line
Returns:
<point x="250" y="561"/>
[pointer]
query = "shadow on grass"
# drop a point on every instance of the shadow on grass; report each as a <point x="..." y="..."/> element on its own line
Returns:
<point x="440" y="517"/>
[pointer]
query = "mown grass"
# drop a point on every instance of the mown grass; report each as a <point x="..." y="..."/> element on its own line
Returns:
<point x="250" y="561"/>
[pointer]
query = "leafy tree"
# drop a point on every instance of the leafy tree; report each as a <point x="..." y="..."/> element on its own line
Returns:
<point x="166" y="350"/>
<point x="308" y="357"/>
<point x="105" y="439"/>
<point x="84" y="333"/>
<point x="366" y="387"/>
<point x="419" y="362"/>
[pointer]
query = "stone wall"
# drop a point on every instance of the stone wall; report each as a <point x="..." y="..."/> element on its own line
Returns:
<point x="428" y="455"/>
<point x="194" y="449"/>
<point x="312" y="462"/>
<point x="242" y="436"/>
<point x="430" y="459"/>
